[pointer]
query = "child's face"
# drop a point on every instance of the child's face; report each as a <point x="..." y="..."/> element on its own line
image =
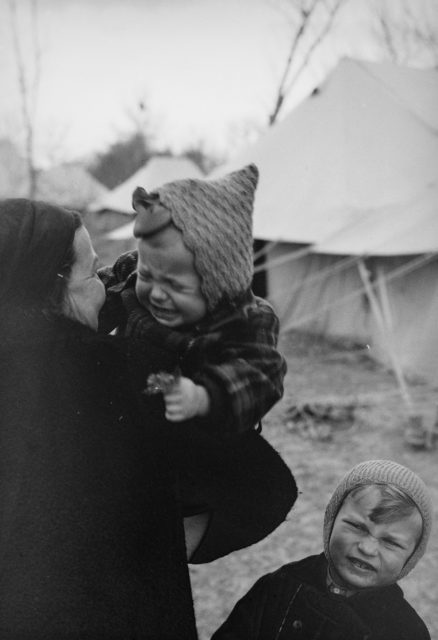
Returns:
<point x="167" y="283"/>
<point x="365" y="554"/>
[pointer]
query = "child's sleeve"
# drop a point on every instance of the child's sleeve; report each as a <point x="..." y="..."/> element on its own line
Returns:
<point x="115" y="278"/>
<point x="246" y="379"/>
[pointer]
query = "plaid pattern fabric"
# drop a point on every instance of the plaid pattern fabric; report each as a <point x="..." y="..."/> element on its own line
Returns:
<point x="232" y="352"/>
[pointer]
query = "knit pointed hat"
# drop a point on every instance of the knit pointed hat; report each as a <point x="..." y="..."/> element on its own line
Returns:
<point x="215" y="219"/>
<point x="383" y="472"/>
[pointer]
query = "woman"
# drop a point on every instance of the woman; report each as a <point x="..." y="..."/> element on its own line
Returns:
<point x="91" y="539"/>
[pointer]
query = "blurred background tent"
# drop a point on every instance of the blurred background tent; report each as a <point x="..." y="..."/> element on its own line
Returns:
<point x="347" y="205"/>
<point x="68" y="184"/>
<point x="110" y="218"/>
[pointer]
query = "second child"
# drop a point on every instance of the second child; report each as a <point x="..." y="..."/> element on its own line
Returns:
<point x="376" y="528"/>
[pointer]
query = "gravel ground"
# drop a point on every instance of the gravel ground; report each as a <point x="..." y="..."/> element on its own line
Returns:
<point x="333" y="373"/>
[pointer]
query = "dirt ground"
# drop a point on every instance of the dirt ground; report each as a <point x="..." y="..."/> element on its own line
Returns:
<point x="331" y="373"/>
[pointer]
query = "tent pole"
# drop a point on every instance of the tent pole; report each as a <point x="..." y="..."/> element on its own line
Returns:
<point x="384" y="324"/>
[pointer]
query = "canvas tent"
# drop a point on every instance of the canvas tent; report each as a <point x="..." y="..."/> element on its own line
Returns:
<point x="155" y="172"/>
<point x="68" y="184"/>
<point x="348" y="202"/>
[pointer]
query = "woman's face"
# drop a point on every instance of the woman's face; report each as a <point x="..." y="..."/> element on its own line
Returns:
<point x="85" y="293"/>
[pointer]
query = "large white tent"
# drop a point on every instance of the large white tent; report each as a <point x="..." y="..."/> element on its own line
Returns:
<point x="348" y="200"/>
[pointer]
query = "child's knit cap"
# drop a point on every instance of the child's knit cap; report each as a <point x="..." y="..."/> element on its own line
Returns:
<point x="215" y="219"/>
<point x="383" y="472"/>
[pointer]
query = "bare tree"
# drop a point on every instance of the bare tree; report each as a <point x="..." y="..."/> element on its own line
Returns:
<point x="121" y="159"/>
<point x="28" y="82"/>
<point x="311" y="23"/>
<point x="199" y="155"/>
<point x="142" y="120"/>
<point x="410" y="33"/>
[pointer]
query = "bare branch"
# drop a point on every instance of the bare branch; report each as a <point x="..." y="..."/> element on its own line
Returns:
<point x="308" y="17"/>
<point x="36" y="56"/>
<point x="422" y="35"/>
<point x="409" y="35"/>
<point x="316" y="42"/>
<point x="27" y="89"/>
<point x="386" y="32"/>
<point x="281" y="91"/>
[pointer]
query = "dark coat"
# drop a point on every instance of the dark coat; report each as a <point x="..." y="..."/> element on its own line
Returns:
<point x="293" y="603"/>
<point x="232" y="352"/>
<point x="226" y="467"/>
<point x="91" y="537"/>
<point x="242" y="481"/>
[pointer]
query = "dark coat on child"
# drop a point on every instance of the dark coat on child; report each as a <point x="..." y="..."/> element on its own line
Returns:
<point x="226" y="467"/>
<point x="231" y="352"/>
<point x="293" y="603"/>
<point x="91" y="537"/>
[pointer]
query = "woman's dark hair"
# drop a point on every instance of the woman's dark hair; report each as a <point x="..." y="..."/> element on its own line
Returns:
<point x="53" y="305"/>
<point x="36" y="258"/>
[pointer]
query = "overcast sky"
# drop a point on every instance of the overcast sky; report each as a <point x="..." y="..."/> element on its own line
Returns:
<point x="203" y="68"/>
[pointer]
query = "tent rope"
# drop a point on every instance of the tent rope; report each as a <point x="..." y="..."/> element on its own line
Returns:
<point x="275" y="262"/>
<point x="317" y="277"/>
<point x="383" y="323"/>
<point x="392" y="275"/>
<point x="264" y="250"/>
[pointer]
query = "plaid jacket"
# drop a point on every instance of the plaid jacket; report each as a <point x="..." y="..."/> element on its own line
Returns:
<point x="231" y="352"/>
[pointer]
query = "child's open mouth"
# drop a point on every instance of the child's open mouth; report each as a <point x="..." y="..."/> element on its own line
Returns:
<point x="160" y="313"/>
<point x="361" y="565"/>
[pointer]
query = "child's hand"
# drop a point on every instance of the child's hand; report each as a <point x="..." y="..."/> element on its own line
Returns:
<point x="186" y="400"/>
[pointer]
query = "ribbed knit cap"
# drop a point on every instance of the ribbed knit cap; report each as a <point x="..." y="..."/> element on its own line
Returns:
<point x="215" y="219"/>
<point x="383" y="472"/>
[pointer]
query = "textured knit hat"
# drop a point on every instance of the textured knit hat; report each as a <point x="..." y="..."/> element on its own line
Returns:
<point x="215" y="219"/>
<point x="383" y="472"/>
